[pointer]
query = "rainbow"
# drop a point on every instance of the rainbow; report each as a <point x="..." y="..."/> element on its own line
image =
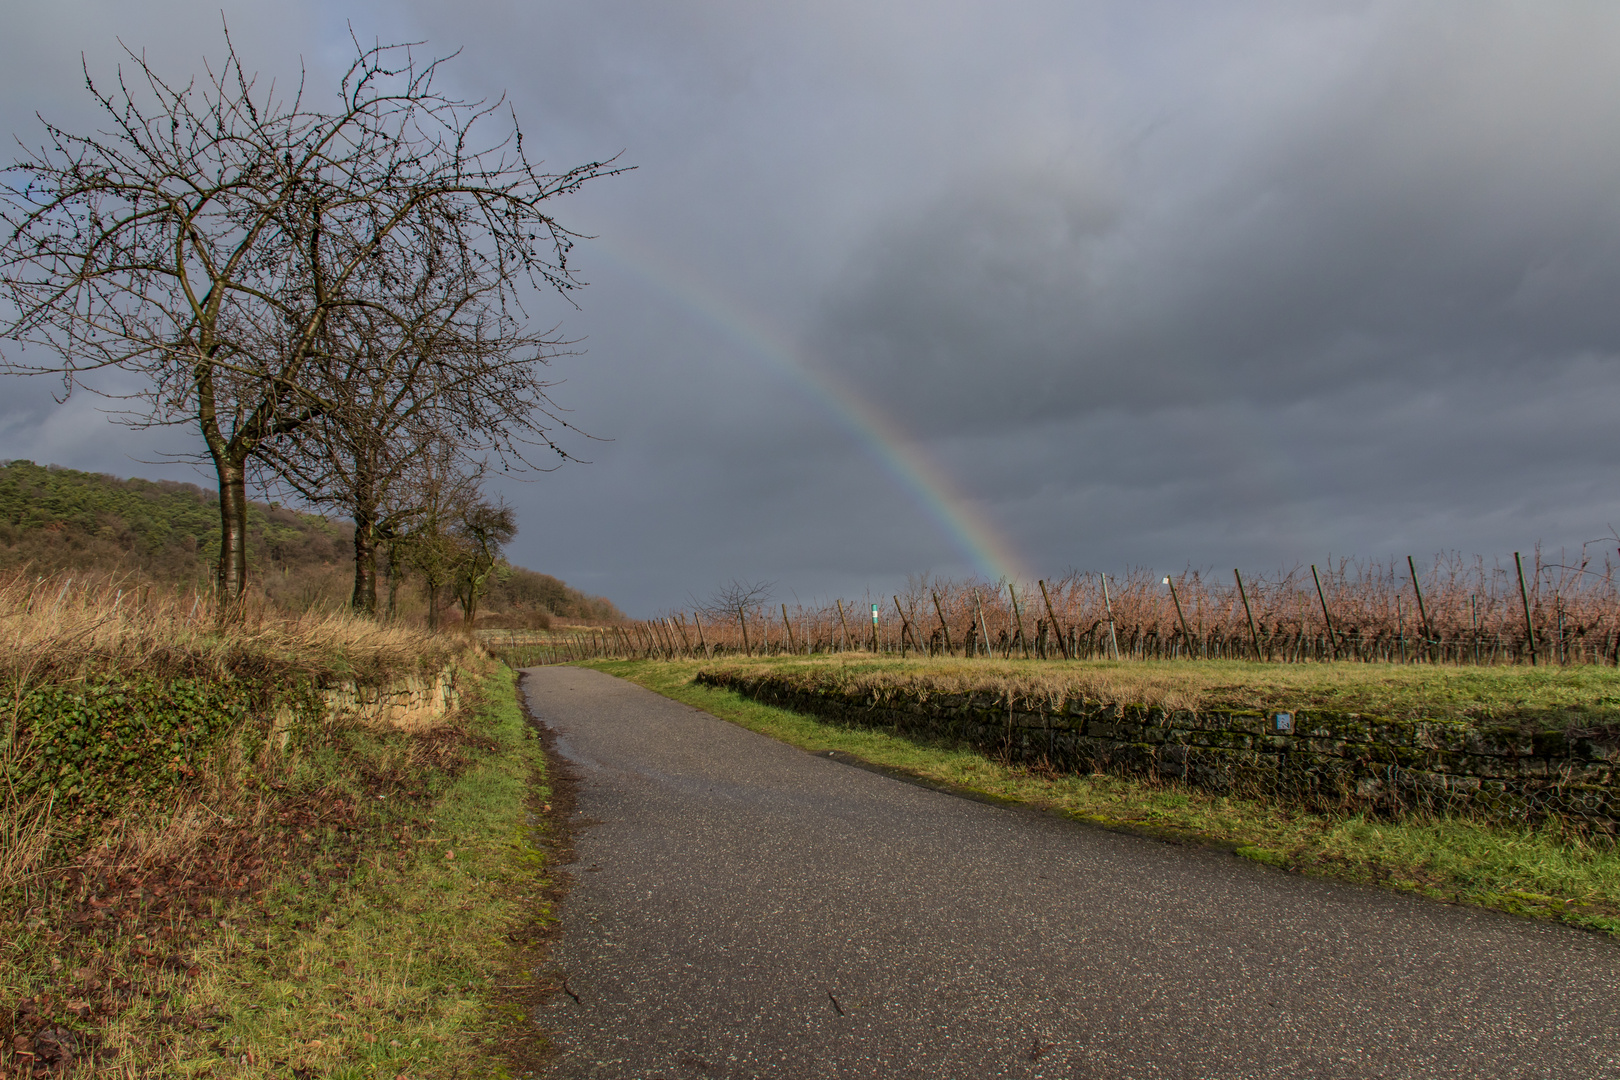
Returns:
<point x="986" y="548"/>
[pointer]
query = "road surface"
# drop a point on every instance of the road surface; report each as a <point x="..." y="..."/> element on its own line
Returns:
<point x="741" y="908"/>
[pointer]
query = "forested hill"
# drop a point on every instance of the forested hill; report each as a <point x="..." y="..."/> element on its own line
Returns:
<point x="165" y="532"/>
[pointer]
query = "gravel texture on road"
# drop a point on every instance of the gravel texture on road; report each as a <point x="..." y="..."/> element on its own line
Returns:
<point x="741" y="908"/>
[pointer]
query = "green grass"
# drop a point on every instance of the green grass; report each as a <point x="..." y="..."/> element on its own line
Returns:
<point x="1535" y="872"/>
<point x="391" y="971"/>
<point x="1549" y="695"/>
<point x="382" y="948"/>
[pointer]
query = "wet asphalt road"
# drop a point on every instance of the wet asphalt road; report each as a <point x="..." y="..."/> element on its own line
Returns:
<point x="741" y="908"/>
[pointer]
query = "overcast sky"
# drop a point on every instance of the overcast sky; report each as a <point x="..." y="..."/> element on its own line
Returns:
<point x="1014" y="287"/>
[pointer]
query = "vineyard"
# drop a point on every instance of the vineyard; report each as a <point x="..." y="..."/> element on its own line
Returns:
<point x="1454" y="611"/>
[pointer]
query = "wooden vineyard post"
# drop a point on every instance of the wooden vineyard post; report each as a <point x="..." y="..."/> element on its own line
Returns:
<point x="984" y="630"/>
<point x="1019" y="615"/>
<point x="1254" y="635"/>
<point x="875" y="649"/>
<point x="681" y="625"/>
<point x="905" y="629"/>
<point x="844" y="624"/>
<point x="1186" y="635"/>
<point x="1400" y="628"/>
<point x="1524" y="597"/>
<point x="1560" y="650"/>
<point x="792" y="645"/>
<point x="1473" y="605"/>
<point x="917" y="642"/>
<point x="704" y="645"/>
<point x="1108" y="606"/>
<point x="1333" y="643"/>
<point x="1056" y="629"/>
<point x="1423" y="611"/>
<point x="943" y="625"/>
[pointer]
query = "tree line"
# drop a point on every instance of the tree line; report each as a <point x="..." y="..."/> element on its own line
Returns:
<point x="332" y="296"/>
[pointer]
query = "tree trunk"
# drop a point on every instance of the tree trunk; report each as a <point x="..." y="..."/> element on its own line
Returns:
<point x="364" y="600"/>
<point x="230" y="466"/>
<point x="232" y="572"/>
<point x="393" y="581"/>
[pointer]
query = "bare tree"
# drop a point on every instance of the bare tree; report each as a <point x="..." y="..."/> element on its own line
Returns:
<point x="733" y="599"/>
<point x="439" y="491"/>
<point x="483" y="528"/>
<point x="363" y="470"/>
<point x="455" y="533"/>
<point x="206" y="239"/>
<point x="456" y="379"/>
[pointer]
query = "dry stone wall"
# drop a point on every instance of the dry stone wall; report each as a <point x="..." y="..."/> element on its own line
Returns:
<point x="412" y="703"/>
<point x="1319" y="760"/>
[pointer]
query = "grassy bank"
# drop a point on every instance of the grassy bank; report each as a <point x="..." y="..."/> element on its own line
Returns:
<point x="1535" y="872"/>
<point x="353" y="919"/>
<point x="208" y="869"/>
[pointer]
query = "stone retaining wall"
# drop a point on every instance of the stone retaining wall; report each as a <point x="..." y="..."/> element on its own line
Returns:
<point x="1316" y="759"/>
<point x="411" y="703"/>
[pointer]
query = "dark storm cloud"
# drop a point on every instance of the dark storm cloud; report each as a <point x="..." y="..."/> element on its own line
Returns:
<point x="1449" y="208"/>
<point x="1152" y="282"/>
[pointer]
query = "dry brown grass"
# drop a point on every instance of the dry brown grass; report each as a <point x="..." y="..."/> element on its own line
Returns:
<point x="61" y="628"/>
<point x="25" y="836"/>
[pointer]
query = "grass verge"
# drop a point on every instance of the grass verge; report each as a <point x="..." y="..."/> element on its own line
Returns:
<point x="1540" y="873"/>
<point x="361" y="925"/>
